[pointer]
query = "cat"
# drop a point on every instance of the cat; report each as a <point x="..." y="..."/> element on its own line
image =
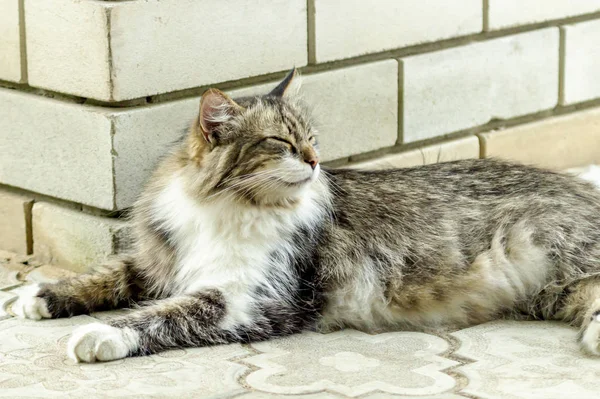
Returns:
<point x="240" y="236"/>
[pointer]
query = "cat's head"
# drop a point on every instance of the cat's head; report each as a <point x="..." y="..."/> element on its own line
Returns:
<point x="262" y="149"/>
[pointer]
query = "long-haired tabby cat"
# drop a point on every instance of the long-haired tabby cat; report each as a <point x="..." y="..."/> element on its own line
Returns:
<point x="241" y="236"/>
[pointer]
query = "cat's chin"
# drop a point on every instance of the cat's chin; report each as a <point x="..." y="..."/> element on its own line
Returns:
<point x="297" y="183"/>
<point x="285" y="195"/>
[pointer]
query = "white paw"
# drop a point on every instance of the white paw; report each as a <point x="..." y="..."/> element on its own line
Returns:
<point x="101" y="342"/>
<point x="29" y="305"/>
<point x="590" y="340"/>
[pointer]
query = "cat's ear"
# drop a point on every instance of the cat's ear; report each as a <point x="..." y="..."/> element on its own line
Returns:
<point x="216" y="108"/>
<point x="289" y="85"/>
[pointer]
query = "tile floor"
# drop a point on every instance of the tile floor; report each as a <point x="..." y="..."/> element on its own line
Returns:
<point x="503" y="359"/>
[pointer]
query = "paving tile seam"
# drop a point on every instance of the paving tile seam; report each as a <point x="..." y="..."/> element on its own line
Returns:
<point x="30" y="264"/>
<point x="250" y="368"/>
<point x="461" y="379"/>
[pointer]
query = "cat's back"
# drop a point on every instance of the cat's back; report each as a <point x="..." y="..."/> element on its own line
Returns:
<point x="485" y="179"/>
<point x="462" y="204"/>
<point x="460" y="189"/>
<point x="473" y="234"/>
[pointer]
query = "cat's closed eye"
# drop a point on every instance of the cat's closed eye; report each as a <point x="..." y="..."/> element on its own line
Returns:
<point x="289" y="145"/>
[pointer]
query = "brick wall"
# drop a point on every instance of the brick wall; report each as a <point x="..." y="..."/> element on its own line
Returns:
<point x="93" y="92"/>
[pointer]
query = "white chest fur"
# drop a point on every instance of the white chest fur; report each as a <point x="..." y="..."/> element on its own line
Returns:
<point x="228" y="246"/>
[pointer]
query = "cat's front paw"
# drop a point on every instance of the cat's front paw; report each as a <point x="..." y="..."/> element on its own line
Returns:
<point x="590" y="339"/>
<point x="30" y="306"/>
<point x="101" y="342"/>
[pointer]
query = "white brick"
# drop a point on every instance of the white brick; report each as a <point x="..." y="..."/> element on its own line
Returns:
<point x="556" y="143"/>
<point x="582" y="62"/>
<point x="507" y="13"/>
<point x="123" y="50"/>
<point x="67" y="46"/>
<point x="10" y="41"/>
<point x="72" y="239"/>
<point x="56" y="148"/>
<point x="347" y="28"/>
<point x="463" y="87"/>
<point x="15" y="223"/>
<point x="355" y="109"/>
<point x="72" y="151"/>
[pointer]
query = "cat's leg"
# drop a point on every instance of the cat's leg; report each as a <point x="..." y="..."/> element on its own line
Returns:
<point x="185" y="321"/>
<point x="581" y="307"/>
<point x="111" y="286"/>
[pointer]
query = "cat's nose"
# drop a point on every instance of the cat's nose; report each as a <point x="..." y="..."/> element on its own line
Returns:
<point x="312" y="161"/>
